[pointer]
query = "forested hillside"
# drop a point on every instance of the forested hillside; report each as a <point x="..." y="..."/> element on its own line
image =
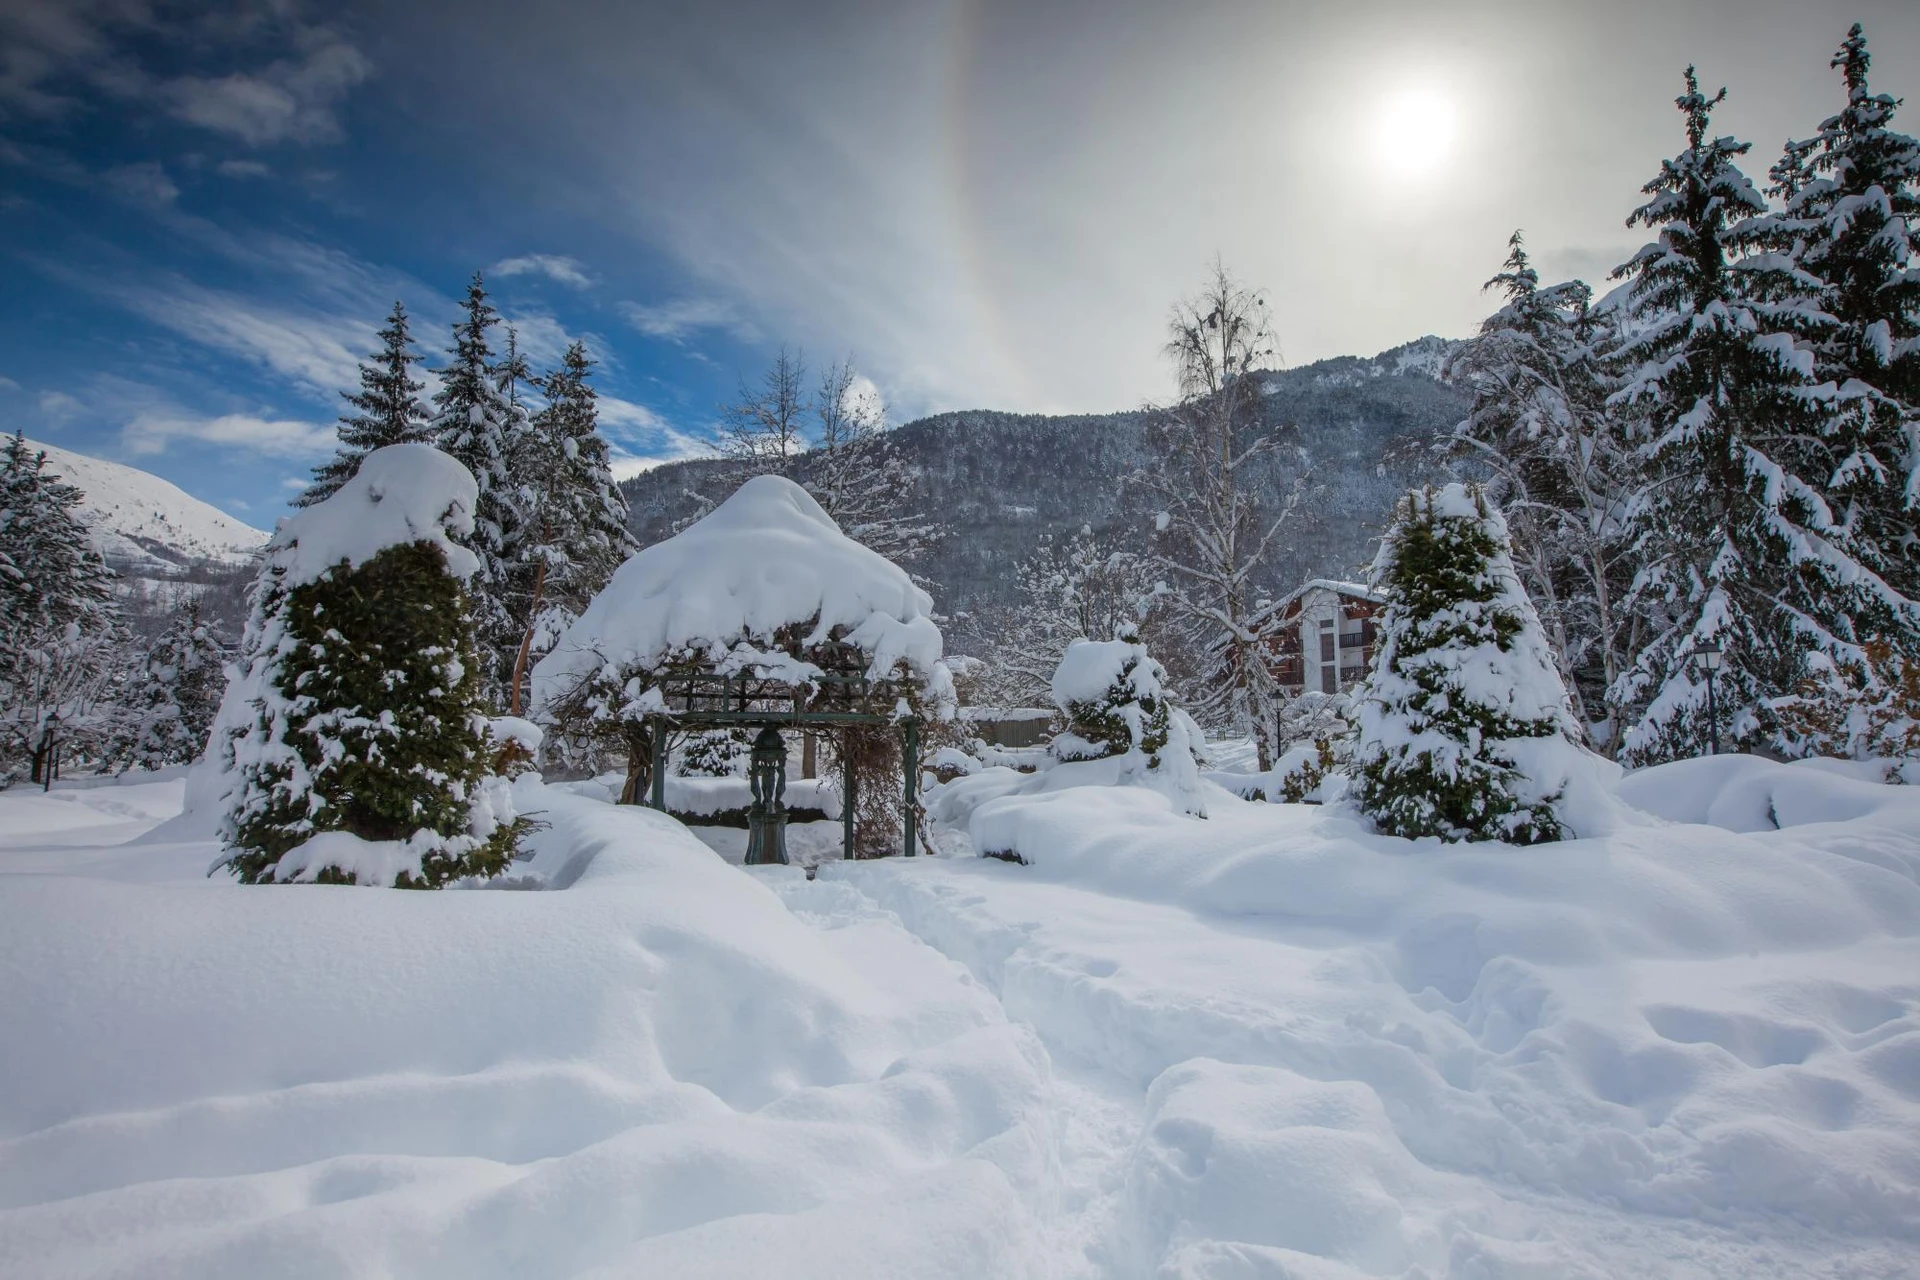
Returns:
<point x="998" y="483"/>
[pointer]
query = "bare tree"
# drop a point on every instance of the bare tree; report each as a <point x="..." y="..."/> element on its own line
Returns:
<point x="857" y="476"/>
<point x="765" y="430"/>
<point x="1214" y="524"/>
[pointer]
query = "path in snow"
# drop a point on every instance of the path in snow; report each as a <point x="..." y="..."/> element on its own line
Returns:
<point x="1228" y="1102"/>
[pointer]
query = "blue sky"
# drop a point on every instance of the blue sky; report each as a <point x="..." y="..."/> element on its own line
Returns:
<point x="206" y="210"/>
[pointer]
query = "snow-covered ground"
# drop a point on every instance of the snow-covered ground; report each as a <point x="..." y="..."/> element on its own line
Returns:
<point x="1266" y="1044"/>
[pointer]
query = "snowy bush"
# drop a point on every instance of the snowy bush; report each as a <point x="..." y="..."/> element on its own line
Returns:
<point x="714" y="753"/>
<point x="359" y="749"/>
<point x="1463" y="683"/>
<point x="1117" y="706"/>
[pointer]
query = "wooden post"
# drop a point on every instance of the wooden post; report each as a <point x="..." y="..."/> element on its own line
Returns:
<point x="912" y="760"/>
<point x="658" y="799"/>
<point x="847" y="797"/>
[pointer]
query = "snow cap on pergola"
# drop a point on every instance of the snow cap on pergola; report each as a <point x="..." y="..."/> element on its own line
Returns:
<point x="761" y="612"/>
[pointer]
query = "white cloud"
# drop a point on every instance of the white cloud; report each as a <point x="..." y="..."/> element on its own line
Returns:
<point x="8" y="384"/>
<point x="58" y="407"/>
<point x="146" y="184"/>
<point x="641" y="439"/>
<point x="676" y="320"/>
<point x="543" y="340"/>
<point x="318" y="350"/>
<point x="567" y="271"/>
<point x="243" y="169"/>
<point x="151" y="431"/>
<point x="615" y="412"/>
<point x="289" y="100"/>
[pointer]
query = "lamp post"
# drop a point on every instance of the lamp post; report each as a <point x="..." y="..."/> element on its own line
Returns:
<point x="1709" y="657"/>
<point x="767" y="818"/>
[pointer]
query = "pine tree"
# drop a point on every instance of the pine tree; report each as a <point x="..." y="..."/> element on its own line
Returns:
<point x="387" y="408"/>
<point x="1563" y="472"/>
<point x="359" y="705"/>
<point x="1740" y="550"/>
<point x="60" y="628"/>
<point x="169" y="707"/>
<point x="575" y="531"/>
<point x="1463" y="683"/>
<point x="1215" y="526"/>
<point x="478" y="424"/>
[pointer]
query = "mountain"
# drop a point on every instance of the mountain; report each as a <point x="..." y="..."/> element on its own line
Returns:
<point x="146" y="526"/>
<point x="1362" y="429"/>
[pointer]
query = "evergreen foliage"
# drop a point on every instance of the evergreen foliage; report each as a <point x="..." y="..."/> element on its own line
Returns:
<point x="574" y="533"/>
<point x="170" y="704"/>
<point x="1462" y="677"/>
<point x="715" y="753"/>
<point x="1118" y="707"/>
<point x="60" y="629"/>
<point x="1561" y="469"/>
<point x="479" y="423"/>
<point x="387" y="410"/>
<point x="370" y="722"/>
<point x="1739" y="546"/>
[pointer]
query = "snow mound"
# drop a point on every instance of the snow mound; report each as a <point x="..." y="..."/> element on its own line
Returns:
<point x="766" y="558"/>
<point x="1749" y="793"/>
<point x="403" y="493"/>
<point x="138" y="519"/>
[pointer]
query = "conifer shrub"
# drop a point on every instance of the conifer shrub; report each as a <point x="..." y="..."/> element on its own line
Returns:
<point x="1462" y="681"/>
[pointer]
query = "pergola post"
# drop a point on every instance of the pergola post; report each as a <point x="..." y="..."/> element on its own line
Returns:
<point x="911" y="758"/>
<point x="657" y="789"/>
<point x="848" y="782"/>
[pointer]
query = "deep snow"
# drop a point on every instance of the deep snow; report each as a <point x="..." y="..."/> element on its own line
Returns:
<point x="1263" y="1044"/>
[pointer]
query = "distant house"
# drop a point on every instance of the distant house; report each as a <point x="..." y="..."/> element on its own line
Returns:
<point x="1323" y="636"/>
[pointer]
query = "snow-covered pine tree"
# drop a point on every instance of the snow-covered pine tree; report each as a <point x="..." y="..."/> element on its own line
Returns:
<point x="1464" y="688"/>
<point x="60" y="628"/>
<point x="1562" y="470"/>
<point x="387" y="410"/>
<point x="478" y="423"/>
<point x="169" y="705"/>
<point x="362" y="754"/>
<point x="1740" y="549"/>
<point x="574" y="533"/>
<point x="1213" y="526"/>
<point x="1117" y="706"/>
<point x="855" y="475"/>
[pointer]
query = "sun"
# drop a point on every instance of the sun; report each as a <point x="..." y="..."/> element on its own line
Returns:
<point x="1413" y="134"/>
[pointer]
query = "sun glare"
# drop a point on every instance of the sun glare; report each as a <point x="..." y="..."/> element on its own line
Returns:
<point x="1413" y="134"/>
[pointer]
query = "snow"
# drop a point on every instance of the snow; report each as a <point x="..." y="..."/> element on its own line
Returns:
<point x="401" y="494"/>
<point x="766" y="558"/>
<point x="1270" y="1043"/>
<point x="136" y="518"/>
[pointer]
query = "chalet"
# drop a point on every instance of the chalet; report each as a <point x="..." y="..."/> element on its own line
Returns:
<point x="1323" y="636"/>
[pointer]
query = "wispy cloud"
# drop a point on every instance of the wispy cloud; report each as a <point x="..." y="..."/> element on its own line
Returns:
<point x="8" y="384"/>
<point x="562" y="270"/>
<point x="59" y="408"/>
<point x="677" y="320"/>
<point x="145" y="184"/>
<point x="289" y="100"/>
<point x="243" y="169"/>
<point x="642" y="440"/>
<point x="153" y="430"/>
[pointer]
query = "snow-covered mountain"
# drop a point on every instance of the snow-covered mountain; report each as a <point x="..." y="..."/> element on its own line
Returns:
<point x="148" y="525"/>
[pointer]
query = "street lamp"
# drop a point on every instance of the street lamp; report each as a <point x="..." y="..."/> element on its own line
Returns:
<point x="1710" y="658"/>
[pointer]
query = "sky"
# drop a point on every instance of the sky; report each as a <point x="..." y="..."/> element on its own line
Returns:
<point x="206" y="210"/>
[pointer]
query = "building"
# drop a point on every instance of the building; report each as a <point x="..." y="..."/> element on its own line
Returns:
<point x="1323" y="636"/>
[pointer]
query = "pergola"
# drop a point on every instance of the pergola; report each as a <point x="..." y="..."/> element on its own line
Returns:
<point x="838" y="696"/>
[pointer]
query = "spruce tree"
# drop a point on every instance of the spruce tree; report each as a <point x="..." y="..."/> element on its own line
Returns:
<point x="1117" y="705"/>
<point x="1740" y="550"/>
<point x="477" y="423"/>
<point x="362" y="710"/>
<point x="575" y="531"/>
<point x="1463" y="683"/>
<point x="387" y="410"/>
<point x="1561" y="469"/>
<point x="60" y="628"/>
<point x="169" y="706"/>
